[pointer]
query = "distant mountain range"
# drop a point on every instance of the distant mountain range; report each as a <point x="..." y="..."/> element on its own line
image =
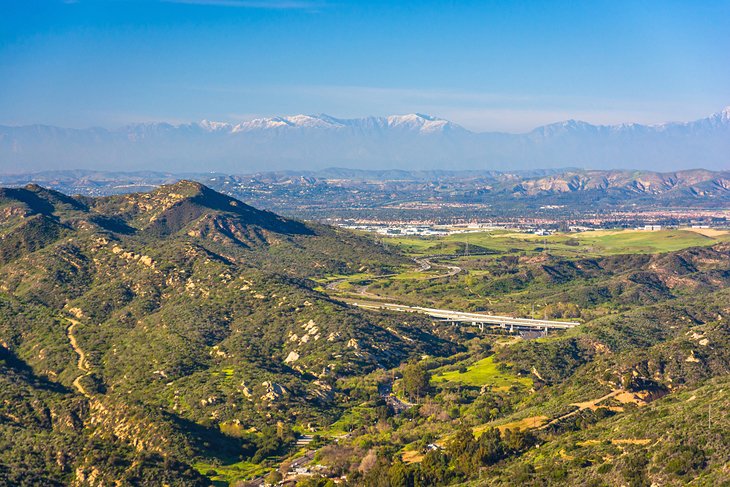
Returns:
<point x="414" y="141"/>
<point x="691" y="183"/>
<point x="445" y="195"/>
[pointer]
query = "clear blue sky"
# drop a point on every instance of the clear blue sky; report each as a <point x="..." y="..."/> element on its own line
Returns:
<point x="487" y="65"/>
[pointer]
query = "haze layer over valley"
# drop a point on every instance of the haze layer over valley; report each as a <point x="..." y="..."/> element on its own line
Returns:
<point x="414" y="141"/>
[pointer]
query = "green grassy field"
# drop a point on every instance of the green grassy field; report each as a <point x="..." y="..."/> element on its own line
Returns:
<point x="632" y="241"/>
<point x="350" y="277"/>
<point x="599" y="242"/>
<point x="229" y="474"/>
<point x="350" y="419"/>
<point x="483" y="372"/>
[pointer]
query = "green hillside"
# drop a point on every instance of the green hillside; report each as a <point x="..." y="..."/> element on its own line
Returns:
<point x="186" y="321"/>
<point x="182" y="337"/>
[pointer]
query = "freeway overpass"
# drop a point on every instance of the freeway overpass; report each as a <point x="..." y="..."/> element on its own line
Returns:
<point x="477" y="319"/>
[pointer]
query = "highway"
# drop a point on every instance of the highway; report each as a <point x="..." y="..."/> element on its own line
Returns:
<point x="479" y="319"/>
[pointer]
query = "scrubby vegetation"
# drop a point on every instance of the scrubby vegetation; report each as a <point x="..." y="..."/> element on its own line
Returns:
<point x="181" y="337"/>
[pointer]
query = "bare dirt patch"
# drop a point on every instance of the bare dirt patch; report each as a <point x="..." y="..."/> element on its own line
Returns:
<point x="632" y="441"/>
<point x="412" y="456"/>
<point x="631" y="398"/>
<point x="521" y="425"/>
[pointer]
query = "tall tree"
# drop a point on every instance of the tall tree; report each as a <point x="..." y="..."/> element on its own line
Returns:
<point x="416" y="380"/>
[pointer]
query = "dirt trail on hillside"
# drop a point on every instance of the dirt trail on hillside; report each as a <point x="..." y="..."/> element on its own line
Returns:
<point x="592" y="404"/>
<point x="82" y="364"/>
<point x="541" y="422"/>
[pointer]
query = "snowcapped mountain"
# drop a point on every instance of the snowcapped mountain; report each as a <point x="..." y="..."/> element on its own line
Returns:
<point x="294" y="122"/>
<point x="421" y="123"/>
<point x="412" y="122"/>
<point x="412" y="141"/>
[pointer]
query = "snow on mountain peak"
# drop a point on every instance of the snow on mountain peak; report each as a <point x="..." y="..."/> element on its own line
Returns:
<point x="314" y="121"/>
<point x="419" y="121"/>
<point x="719" y="119"/>
<point x="212" y="126"/>
<point x="291" y="121"/>
<point x="725" y="114"/>
<point x="414" y="121"/>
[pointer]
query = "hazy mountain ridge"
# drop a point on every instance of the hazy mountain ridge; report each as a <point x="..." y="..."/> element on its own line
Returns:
<point x="407" y="141"/>
<point x="698" y="182"/>
<point x="686" y="186"/>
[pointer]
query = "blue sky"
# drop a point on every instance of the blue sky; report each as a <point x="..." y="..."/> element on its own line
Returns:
<point x="489" y="65"/>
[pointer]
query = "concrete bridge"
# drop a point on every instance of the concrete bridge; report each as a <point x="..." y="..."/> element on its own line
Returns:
<point x="477" y="319"/>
